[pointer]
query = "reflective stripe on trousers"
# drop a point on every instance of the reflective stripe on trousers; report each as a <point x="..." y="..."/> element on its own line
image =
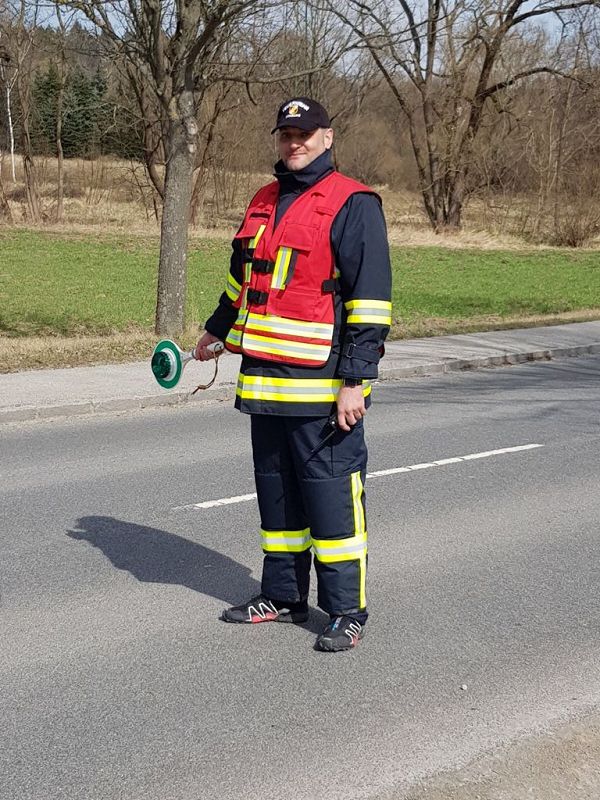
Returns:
<point x="313" y="502"/>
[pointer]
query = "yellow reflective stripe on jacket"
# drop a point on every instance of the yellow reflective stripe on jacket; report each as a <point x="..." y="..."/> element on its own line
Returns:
<point x="374" y="312"/>
<point x="291" y="390"/>
<point x="330" y="550"/>
<point x="282" y="263"/>
<point x="234" y="337"/>
<point x="285" y="541"/>
<point x="290" y="327"/>
<point x="233" y="288"/>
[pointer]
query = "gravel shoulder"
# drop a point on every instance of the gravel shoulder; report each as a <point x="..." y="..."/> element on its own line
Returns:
<point x="562" y="764"/>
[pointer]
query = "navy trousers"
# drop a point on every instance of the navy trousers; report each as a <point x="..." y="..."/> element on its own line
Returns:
<point x="312" y="502"/>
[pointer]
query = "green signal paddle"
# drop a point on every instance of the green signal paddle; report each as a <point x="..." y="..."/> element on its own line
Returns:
<point x="168" y="361"/>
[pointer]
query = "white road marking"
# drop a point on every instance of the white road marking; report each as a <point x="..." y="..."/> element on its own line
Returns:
<point x="225" y="501"/>
<point x="442" y="462"/>
<point x="381" y="473"/>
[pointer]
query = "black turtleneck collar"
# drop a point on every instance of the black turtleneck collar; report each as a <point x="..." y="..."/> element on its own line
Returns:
<point x="292" y="184"/>
<point x="298" y="181"/>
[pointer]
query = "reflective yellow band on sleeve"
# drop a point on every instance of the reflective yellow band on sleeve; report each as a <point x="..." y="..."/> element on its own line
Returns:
<point x="233" y="288"/>
<point x="285" y="541"/>
<point x="369" y="312"/>
<point x="234" y="337"/>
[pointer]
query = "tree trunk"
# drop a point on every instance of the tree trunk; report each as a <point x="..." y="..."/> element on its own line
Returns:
<point x="172" y="269"/>
<point x="11" y="131"/>
<point x="5" y="213"/>
<point x="197" y="201"/>
<point x="456" y="199"/>
<point x="59" y="152"/>
<point x="33" y="198"/>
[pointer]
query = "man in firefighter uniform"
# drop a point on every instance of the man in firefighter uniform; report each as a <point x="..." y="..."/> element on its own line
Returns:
<point x="307" y="303"/>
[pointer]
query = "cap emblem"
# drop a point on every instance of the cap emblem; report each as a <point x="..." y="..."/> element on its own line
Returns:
<point x="292" y="109"/>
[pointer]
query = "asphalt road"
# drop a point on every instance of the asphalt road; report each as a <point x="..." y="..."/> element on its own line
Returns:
<point x="117" y="680"/>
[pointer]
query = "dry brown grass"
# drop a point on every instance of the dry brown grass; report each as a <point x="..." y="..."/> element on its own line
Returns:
<point x="38" y="352"/>
<point x="435" y="326"/>
<point x="113" y="196"/>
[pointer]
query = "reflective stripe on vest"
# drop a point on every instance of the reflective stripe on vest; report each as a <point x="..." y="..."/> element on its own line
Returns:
<point x="237" y="294"/>
<point x="296" y="341"/>
<point x="282" y="265"/>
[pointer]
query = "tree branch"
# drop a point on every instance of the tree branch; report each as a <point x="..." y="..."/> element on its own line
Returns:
<point x="510" y="81"/>
<point x="537" y="12"/>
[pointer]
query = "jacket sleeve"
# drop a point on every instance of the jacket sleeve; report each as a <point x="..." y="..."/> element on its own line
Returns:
<point x="359" y="241"/>
<point x="223" y="317"/>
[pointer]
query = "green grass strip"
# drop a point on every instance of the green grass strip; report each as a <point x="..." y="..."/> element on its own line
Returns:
<point x="53" y="284"/>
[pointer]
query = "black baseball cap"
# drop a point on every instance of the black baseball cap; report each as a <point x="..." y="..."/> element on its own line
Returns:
<point x="302" y="112"/>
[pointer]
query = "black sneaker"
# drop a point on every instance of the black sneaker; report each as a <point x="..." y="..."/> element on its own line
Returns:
<point x="261" y="609"/>
<point x="342" y="633"/>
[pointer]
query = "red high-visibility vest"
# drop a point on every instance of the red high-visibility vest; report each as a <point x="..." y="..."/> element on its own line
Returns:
<point x="286" y="304"/>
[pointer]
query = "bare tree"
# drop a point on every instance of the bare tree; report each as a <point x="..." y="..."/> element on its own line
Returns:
<point x="8" y="77"/>
<point x="177" y="50"/>
<point x="5" y="212"/>
<point x="62" y="73"/>
<point x="19" y="29"/>
<point x="443" y="62"/>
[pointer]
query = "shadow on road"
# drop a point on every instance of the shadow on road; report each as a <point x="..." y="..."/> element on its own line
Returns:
<point x="155" y="556"/>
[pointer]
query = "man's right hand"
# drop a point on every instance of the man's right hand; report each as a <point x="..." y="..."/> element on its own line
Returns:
<point x="201" y="353"/>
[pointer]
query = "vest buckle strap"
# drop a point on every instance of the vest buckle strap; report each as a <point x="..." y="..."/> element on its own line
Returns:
<point x="330" y="286"/>
<point x="260" y="265"/>
<point x="256" y="298"/>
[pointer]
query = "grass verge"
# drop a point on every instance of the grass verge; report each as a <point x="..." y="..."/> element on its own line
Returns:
<point x="68" y="300"/>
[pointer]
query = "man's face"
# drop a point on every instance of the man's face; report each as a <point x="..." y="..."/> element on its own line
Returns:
<point x="297" y="148"/>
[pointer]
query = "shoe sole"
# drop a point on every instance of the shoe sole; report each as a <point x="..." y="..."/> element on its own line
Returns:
<point x="296" y="619"/>
<point x="330" y="646"/>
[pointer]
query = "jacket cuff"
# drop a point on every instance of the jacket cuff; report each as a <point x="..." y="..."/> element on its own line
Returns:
<point x="367" y="354"/>
<point x="359" y="361"/>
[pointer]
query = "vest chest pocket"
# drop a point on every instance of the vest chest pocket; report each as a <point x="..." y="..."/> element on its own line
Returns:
<point x="250" y="234"/>
<point x="295" y="239"/>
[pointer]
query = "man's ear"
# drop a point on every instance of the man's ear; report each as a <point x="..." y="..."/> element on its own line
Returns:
<point x="328" y="137"/>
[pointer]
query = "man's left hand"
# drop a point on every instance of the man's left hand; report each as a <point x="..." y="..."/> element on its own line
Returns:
<point x="350" y="406"/>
